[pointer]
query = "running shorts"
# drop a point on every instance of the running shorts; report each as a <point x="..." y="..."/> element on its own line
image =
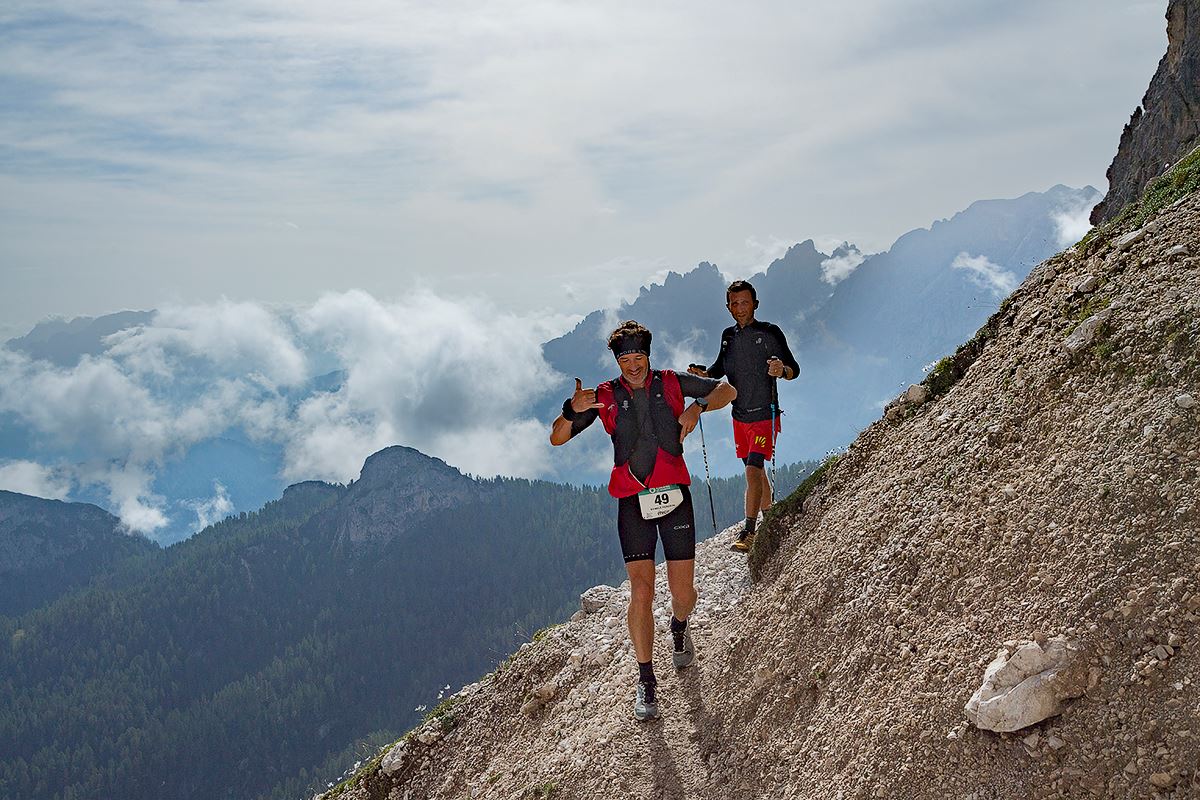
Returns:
<point x="639" y="537"/>
<point x="754" y="437"/>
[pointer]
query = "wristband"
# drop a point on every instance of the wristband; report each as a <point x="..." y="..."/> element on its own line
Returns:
<point x="569" y="414"/>
<point x="703" y="403"/>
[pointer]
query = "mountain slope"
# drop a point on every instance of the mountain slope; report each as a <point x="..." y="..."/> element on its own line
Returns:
<point x="1049" y="487"/>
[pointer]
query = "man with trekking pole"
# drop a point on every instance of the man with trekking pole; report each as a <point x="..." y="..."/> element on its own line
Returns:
<point x="643" y="411"/>
<point x="754" y="355"/>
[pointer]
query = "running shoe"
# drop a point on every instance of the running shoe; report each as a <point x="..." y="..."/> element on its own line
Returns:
<point x="685" y="651"/>
<point x="645" y="705"/>
<point x="743" y="543"/>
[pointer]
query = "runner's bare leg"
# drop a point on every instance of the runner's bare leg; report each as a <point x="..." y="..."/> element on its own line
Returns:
<point x="681" y="578"/>
<point x="640" y="616"/>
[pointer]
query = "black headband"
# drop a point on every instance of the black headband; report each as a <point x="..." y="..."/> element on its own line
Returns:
<point x="630" y="343"/>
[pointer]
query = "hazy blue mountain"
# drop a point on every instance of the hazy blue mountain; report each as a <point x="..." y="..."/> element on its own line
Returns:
<point x="48" y="548"/>
<point x="859" y="341"/>
<point x="906" y="308"/>
<point x="64" y="342"/>
<point x="687" y="313"/>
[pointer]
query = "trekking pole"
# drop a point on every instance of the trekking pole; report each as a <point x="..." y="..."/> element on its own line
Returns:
<point x="774" y="412"/>
<point x="707" y="476"/>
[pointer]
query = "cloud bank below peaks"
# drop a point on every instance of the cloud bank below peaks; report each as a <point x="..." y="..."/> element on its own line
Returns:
<point x="454" y="378"/>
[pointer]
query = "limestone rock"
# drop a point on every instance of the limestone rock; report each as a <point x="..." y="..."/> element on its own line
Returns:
<point x="596" y="598"/>
<point x="429" y="733"/>
<point x="1026" y="684"/>
<point x="1163" y="780"/>
<point x="1128" y="240"/>
<point x="1166" y="126"/>
<point x="916" y="394"/>
<point x="1085" y="334"/>
<point x="395" y="759"/>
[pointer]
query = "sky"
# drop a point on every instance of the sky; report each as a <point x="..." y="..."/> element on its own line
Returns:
<point x="548" y="156"/>
<point x="419" y="194"/>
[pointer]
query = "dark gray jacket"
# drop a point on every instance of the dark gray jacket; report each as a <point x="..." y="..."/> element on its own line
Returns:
<point x="743" y="357"/>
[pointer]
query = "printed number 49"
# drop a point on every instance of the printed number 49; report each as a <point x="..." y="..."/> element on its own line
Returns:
<point x="661" y="499"/>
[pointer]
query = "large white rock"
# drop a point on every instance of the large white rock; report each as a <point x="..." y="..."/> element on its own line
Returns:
<point x="1027" y="683"/>
<point x="1133" y="237"/>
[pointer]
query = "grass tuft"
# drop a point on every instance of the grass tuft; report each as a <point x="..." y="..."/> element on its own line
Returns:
<point x="770" y="534"/>
<point x="1180" y="181"/>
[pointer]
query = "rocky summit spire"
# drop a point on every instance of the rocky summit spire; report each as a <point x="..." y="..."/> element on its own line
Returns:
<point x="1166" y="126"/>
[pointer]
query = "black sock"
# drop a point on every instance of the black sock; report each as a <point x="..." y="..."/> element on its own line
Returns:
<point x="750" y="523"/>
<point x="678" y="626"/>
<point x="646" y="672"/>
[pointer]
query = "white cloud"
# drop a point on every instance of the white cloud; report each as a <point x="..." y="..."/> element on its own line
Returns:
<point x="128" y="483"/>
<point x="238" y="338"/>
<point x="1072" y="224"/>
<point x="454" y="378"/>
<point x="837" y="269"/>
<point x="29" y="477"/>
<point x="212" y="509"/>
<point x="427" y="372"/>
<point x="986" y="274"/>
<point x="678" y="354"/>
<point x="278" y="150"/>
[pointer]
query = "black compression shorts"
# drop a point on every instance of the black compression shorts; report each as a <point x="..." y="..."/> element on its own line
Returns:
<point x="639" y="537"/>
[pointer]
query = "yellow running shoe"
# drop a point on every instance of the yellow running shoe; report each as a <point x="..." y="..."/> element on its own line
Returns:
<point x="743" y="543"/>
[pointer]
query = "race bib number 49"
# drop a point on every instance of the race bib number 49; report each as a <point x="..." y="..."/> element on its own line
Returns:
<point x="659" y="502"/>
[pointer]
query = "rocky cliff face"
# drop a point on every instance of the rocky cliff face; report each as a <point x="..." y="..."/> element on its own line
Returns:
<point x="396" y="485"/>
<point x="1037" y="498"/>
<point x="1167" y="124"/>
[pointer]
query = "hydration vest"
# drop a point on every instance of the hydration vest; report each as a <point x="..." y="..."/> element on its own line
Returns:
<point x="620" y="421"/>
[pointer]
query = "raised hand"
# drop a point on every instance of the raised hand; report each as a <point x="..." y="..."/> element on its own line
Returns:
<point x="583" y="399"/>
<point x="774" y="367"/>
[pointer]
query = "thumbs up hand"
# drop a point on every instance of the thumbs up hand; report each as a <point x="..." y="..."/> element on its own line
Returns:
<point x="583" y="399"/>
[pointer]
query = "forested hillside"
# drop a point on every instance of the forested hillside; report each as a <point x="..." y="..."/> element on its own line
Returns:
<point x="48" y="548"/>
<point x="247" y="661"/>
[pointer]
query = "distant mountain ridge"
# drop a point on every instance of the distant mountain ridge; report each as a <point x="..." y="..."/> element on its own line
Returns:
<point x="65" y="342"/>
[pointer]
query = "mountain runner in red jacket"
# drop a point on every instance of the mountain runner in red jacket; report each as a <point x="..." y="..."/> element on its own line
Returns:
<point x="643" y="411"/>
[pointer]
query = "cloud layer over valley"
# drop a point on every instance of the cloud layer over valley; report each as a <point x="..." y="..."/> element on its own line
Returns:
<point x="329" y="384"/>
